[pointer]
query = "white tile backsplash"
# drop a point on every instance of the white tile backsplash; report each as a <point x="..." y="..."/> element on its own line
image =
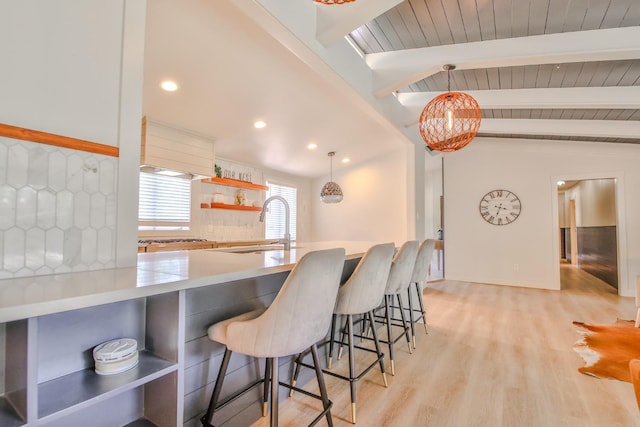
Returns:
<point x="58" y="209"/>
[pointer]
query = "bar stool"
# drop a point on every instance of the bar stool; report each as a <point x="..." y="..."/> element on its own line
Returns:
<point x="299" y="316"/>
<point x="419" y="276"/>
<point x="360" y="294"/>
<point x="398" y="282"/>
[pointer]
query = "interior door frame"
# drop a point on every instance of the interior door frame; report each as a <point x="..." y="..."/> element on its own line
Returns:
<point x="624" y="287"/>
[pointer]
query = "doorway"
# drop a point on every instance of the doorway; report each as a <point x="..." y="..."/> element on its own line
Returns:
<point x="588" y="231"/>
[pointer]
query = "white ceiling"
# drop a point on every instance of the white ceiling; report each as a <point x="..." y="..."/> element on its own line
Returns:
<point x="560" y="69"/>
<point x="231" y="73"/>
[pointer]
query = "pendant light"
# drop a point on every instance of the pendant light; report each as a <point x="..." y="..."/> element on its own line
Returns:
<point x="451" y="120"/>
<point x="331" y="192"/>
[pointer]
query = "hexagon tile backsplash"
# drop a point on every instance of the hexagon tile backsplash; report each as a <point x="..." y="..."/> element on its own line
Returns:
<point x="57" y="209"/>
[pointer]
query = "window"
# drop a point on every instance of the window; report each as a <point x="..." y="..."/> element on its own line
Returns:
<point x="275" y="218"/>
<point x="164" y="202"/>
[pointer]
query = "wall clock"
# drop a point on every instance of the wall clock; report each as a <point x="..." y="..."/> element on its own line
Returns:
<point x="500" y="207"/>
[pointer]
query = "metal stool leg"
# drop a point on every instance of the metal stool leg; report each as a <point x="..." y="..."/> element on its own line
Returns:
<point x="422" y="310"/>
<point x="331" y="338"/>
<point x="265" y="390"/>
<point x="387" y="312"/>
<point x="296" y="372"/>
<point x="404" y="323"/>
<point x="207" y="418"/>
<point x="412" y="321"/>
<point x="274" y="392"/>
<point x="326" y="403"/>
<point x="352" y="367"/>
<point x="378" y="349"/>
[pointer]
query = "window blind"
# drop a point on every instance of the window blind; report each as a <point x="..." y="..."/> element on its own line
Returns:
<point x="275" y="217"/>
<point x="164" y="202"/>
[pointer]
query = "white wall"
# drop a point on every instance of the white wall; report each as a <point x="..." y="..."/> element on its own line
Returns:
<point x="525" y="252"/>
<point x="375" y="205"/>
<point x="230" y="225"/>
<point x="74" y="68"/>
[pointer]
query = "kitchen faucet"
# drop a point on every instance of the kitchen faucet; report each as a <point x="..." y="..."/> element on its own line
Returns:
<point x="287" y="237"/>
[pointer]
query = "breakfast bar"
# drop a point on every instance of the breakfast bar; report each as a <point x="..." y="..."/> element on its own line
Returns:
<point x="49" y="326"/>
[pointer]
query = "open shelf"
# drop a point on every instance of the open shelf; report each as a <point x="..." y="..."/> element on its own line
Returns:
<point x="234" y="207"/>
<point x="8" y="415"/>
<point x="69" y="392"/>
<point x="235" y="183"/>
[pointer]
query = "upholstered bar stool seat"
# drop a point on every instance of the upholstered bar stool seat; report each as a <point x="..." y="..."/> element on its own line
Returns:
<point x="299" y="316"/>
<point x="398" y="283"/>
<point x="359" y="295"/>
<point x="418" y="278"/>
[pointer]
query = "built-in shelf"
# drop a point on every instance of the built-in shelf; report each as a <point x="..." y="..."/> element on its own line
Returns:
<point x="8" y="415"/>
<point x="235" y="183"/>
<point x="66" y="393"/>
<point x="232" y="207"/>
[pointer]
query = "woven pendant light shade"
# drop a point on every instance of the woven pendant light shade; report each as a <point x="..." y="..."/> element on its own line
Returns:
<point x="331" y="191"/>
<point x="450" y="121"/>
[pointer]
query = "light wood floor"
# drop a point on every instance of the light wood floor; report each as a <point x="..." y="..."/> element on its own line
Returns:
<point x="495" y="356"/>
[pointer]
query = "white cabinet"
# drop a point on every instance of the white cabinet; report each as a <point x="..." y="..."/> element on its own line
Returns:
<point x="49" y="377"/>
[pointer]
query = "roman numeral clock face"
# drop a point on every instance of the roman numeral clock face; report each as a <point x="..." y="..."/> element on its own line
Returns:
<point x="500" y="207"/>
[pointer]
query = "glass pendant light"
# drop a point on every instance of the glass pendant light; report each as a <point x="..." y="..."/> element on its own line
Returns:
<point x="331" y="192"/>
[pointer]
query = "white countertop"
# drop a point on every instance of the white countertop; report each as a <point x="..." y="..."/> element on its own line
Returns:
<point x="156" y="273"/>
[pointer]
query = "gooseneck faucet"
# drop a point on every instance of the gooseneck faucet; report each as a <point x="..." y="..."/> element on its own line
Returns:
<point x="287" y="237"/>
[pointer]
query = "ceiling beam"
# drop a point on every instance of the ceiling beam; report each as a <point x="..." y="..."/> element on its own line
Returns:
<point x="617" y="97"/>
<point x="398" y="69"/>
<point x="583" y="128"/>
<point x="336" y="21"/>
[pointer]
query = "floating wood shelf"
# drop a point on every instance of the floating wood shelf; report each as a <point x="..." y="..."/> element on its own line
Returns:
<point x="235" y="183"/>
<point x="233" y="207"/>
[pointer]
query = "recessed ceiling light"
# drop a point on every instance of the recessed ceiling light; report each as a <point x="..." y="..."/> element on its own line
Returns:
<point x="259" y="124"/>
<point x="561" y="183"/>
<point x="346" y="160"/>
<point x="312" y="146"/>
<point x="169" y="85"/>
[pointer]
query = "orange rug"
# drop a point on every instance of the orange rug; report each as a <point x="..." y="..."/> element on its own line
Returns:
<point x="607" y="350"/>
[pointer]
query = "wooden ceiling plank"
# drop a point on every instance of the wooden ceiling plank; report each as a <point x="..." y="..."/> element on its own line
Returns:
<point x="632" y="76"/>
<point x="388" y="25"/>
<point x="414" y="35"/>
<point x="587" y="71"/>
<point x="538" y="11"/>
<point x="425" y="22"/>
<point x="517" y="77"/>
<point x="380" y="35"/>
<point x="543" y="78"/>
<point x="502" y="13"/>
<point x="439" y="18"/>
<point x="486" y="19"/>
<point x="595" y="14"/>
<point x="618" y="70"/>
<point x="557" y="74"/>
<point x="633" y="15"/>
<point x="616" y="13"/>
<point x="574" y="19"/>
<point x="530" y="74"/>
<point x="482" y="78"/>
<point x="556" y="14"/>
<point x="470" y="20"/>
<point x="397" y="69"/>
<point x="520" y="18"/>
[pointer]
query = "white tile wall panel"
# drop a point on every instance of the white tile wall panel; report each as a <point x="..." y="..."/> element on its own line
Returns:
<point x="58" y="209"/>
